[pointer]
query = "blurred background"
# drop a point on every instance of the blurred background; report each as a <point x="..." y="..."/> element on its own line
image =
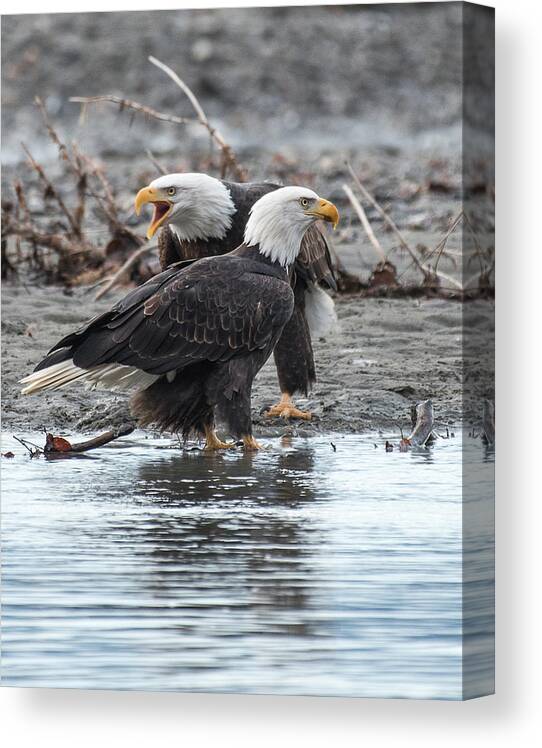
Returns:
<point x="296" y="91"/>
<point x="310" y="77"/>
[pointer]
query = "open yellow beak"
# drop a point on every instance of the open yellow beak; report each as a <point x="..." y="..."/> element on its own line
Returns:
<point x="162" y="207"/>
<point x="327" y="212"/>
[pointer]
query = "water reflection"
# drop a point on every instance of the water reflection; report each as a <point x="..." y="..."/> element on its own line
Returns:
<point x="301" y="569"/>
<point x="283" y="477"/>
<point x="262" y="557"/>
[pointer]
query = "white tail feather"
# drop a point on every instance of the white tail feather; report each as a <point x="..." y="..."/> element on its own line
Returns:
<point x="320" y="312"/>
<point x="111" y="376"/>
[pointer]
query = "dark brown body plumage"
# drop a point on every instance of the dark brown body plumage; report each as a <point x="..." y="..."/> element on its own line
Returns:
<point x="293" y="353"/>
<point x="203" y="330"/>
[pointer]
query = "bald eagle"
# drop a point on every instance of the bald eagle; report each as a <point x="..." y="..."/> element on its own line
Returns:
<point x="200" y="216"/>
<point x="192" y="339"/>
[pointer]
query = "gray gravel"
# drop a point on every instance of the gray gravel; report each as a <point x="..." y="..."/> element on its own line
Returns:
<point x="388" y="354"/>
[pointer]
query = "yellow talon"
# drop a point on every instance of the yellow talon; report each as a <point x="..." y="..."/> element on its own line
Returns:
<point x="250" y="443"/>
<point x="212" y="442"/>
<point x="286" y="409"/>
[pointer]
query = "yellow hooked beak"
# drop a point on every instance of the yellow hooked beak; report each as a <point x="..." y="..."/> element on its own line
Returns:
<point x="162" y="207"/>
<point x="326" y="211"/>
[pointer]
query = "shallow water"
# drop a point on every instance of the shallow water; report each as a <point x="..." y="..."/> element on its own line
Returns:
<point x="299" y="569"/>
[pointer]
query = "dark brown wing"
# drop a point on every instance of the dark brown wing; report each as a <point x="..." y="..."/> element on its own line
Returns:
<point x="314" y="260"/>
<point x="212" y="310"/>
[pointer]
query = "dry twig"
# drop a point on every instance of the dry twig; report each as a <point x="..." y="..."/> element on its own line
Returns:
<point x="130" y="104"/>
<point x="51" y="191"/>
<point x="157" y="165"/>
<point x="365" y="222"/>
<point x="58" y="447"/>
<point x="385" y="217"/>
<point x="67" y="255"/>
<point x="229" y="159"/>
<point x="114" y="280"/>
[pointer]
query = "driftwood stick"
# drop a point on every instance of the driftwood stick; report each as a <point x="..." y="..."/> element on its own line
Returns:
<point x="365" y="222"/>
<point x="58" y="447"/>
<point x="423" y="427"/>
<point x="134" y="105"/>
<point x="102" y="439"/>
<point x="124" y="269"/>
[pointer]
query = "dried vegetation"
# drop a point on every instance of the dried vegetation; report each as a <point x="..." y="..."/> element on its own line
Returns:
<point x="74" y="230"/>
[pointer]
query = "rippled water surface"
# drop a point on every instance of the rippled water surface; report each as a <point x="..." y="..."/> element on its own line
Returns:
<point x="299" y="569"/>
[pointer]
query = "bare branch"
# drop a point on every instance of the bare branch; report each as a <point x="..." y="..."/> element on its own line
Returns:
<point x="65" y="449"/>
<point x="124" y="269"/>
<point x="134" y="105"/>
<point x="433" y="271"/>
<point x="229" y="157"/>
<point x="442" y="243"/>
<point x="364" y="222"/>
<point x="51" y="189"/>
<point x="58" y="242"/>
<point x="385" y="217"/>
<point x="479" y="252"/>
<point x="157" y="165"/>
<point x="74" y="162"/>
<point x="53" y="135"/>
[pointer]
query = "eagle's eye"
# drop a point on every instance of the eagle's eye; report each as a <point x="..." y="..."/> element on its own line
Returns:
<point x="171" y="191"/>
<point x="304" y="202"/>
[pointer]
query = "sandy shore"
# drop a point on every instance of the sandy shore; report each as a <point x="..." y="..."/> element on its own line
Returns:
<point x="388" y="100"/>
<point x="387" y="355"/>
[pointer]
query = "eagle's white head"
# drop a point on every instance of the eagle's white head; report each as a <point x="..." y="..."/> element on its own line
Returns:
<point x="278" y="221"/>
<point x="196" y="205"/>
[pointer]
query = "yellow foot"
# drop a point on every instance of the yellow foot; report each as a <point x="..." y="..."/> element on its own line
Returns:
<point x="250" y="444"/>
<point x="286" y="409"/>
<point x="212" y="442"/>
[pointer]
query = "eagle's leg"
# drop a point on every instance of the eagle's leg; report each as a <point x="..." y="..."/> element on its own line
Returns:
<point x="294" y="360"/>
<point x="250" y="444"/>
<point x="286" y="409"/>
<point x="232" y="383"/>
<point x="212" y="442"/>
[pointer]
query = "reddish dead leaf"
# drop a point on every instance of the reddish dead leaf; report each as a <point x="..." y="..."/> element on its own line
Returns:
<point x="56" y="444"/>
<point x="384" y="274"/>
<point x="404" y="445"/>
<point x="346" y="282"/>
<point x="8" y="454"/>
